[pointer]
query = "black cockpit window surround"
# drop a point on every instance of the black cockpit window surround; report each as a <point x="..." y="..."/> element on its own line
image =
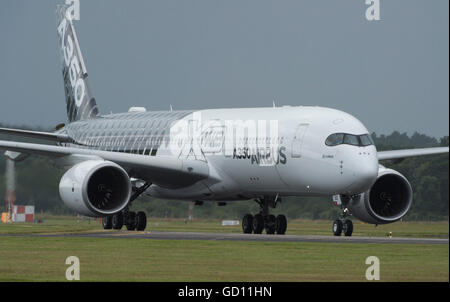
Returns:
<point x="336" y="139"/>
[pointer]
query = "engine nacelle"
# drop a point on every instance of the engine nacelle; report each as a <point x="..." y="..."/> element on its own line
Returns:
<point x="388" y="200"/>
<point x="95" y="188"/>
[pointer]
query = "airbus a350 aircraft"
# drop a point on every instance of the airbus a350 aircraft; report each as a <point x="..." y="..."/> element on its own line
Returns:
<point x="216" y="155"/>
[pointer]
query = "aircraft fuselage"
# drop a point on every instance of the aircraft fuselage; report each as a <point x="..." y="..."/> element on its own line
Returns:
<point x="250" y="152"/>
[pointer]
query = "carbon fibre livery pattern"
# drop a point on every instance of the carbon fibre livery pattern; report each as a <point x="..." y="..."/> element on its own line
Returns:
<point x="79" y="100"/>
<point x="131" y="132"/>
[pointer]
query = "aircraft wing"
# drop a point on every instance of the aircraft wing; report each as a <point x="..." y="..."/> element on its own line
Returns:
<point x="157" y="169"/>
<point x="394" y="154"/>
<point x="55" y="137"/>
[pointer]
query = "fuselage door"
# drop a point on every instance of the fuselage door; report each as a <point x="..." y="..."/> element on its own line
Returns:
<point x="297" y="141"/>
<point x="193" y="146"/>
<point x="212" y="140"/>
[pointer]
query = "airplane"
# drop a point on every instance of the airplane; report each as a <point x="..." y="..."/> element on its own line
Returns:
<point x="213" y="155"/>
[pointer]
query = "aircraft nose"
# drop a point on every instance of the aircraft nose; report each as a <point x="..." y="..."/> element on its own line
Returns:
<point x="365" y="174"/>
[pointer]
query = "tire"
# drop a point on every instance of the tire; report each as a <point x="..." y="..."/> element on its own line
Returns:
<point x="281" y="225"/>
<point x="117" y="221"/>
<point x="270" y="225"/>
<point x="247" y="224"/>
<point x="141" y="221"/>
<point x="258" y="224"/>
<point x="347" y="227"/>
<point x="107" y="222"/>
<point x="131" y="221"/>
<point x="337" y="227"/>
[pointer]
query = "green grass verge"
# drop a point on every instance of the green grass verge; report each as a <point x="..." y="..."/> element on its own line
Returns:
<point x="126" y="259"/>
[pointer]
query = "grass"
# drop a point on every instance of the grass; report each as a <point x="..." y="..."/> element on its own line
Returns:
<point x="125" y="259"/>
<point x="43" y="259"/>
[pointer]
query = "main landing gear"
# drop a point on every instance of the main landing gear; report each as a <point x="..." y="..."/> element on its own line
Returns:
<point x="342" y="224"/>
<point x="264" y="220"/>
<point x="132" y="220"/>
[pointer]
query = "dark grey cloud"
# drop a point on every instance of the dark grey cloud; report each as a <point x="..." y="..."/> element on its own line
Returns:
<point x="392" y="74"/>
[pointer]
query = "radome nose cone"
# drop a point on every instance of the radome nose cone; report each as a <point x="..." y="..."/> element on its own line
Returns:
<point x="369" y="174"/>
<point x="365" y="176"/>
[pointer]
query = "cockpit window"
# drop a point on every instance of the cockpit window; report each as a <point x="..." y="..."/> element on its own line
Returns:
<point x="349" y="139"/>
<point x="335" y="139"/>
<point x="366" y="140"/>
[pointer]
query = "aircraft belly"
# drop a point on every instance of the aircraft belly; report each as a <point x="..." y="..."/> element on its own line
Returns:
<point x="312" y="175"/>
<point x="198" y="191"/>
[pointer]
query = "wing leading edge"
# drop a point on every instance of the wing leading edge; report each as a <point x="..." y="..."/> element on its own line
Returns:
<point x="157" y="169"/>
<point x="394" y="154"/>
<point x="54" y="137"/>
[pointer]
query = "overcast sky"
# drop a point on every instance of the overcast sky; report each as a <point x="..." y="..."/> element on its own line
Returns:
<point x="392" y="74"/>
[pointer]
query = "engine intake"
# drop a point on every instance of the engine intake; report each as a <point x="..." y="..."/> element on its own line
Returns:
<point x="388" y="200"/>
<point x="95" y="188"/>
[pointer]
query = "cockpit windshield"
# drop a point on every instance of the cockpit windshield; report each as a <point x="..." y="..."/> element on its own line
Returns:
<point x="366" y="140"/>
<point x="349" y="139"/>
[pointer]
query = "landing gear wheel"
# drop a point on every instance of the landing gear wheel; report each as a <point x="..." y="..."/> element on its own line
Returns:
<point x="258" y="224"/>
<point x="337" y="227"/>
<point x="281" y="224"/>
<point x="247" y="224"/>
<point x="141" y="221"/>
<point x="107" y="222"/>
<point x="117" y="221"/>
<point x="270" y="224"/>
<point x="131" y="221"/>
<point x="347" y="227"/>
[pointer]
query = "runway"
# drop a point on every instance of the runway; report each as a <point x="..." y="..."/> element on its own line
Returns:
<point x="243" y="237"/>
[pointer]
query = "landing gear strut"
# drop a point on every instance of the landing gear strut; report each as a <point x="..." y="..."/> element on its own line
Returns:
<point x="107" y="222"/>
<point x="132" y="220"/>
<point x="263" y="220"/>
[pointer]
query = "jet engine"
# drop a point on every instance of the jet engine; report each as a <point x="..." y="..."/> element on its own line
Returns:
<point x="95" y="188"/>
<point x="388" y="200"/>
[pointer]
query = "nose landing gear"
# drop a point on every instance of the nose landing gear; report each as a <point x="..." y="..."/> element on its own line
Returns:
<point x="342" y="224"/>
<point x="263" y="220"/>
